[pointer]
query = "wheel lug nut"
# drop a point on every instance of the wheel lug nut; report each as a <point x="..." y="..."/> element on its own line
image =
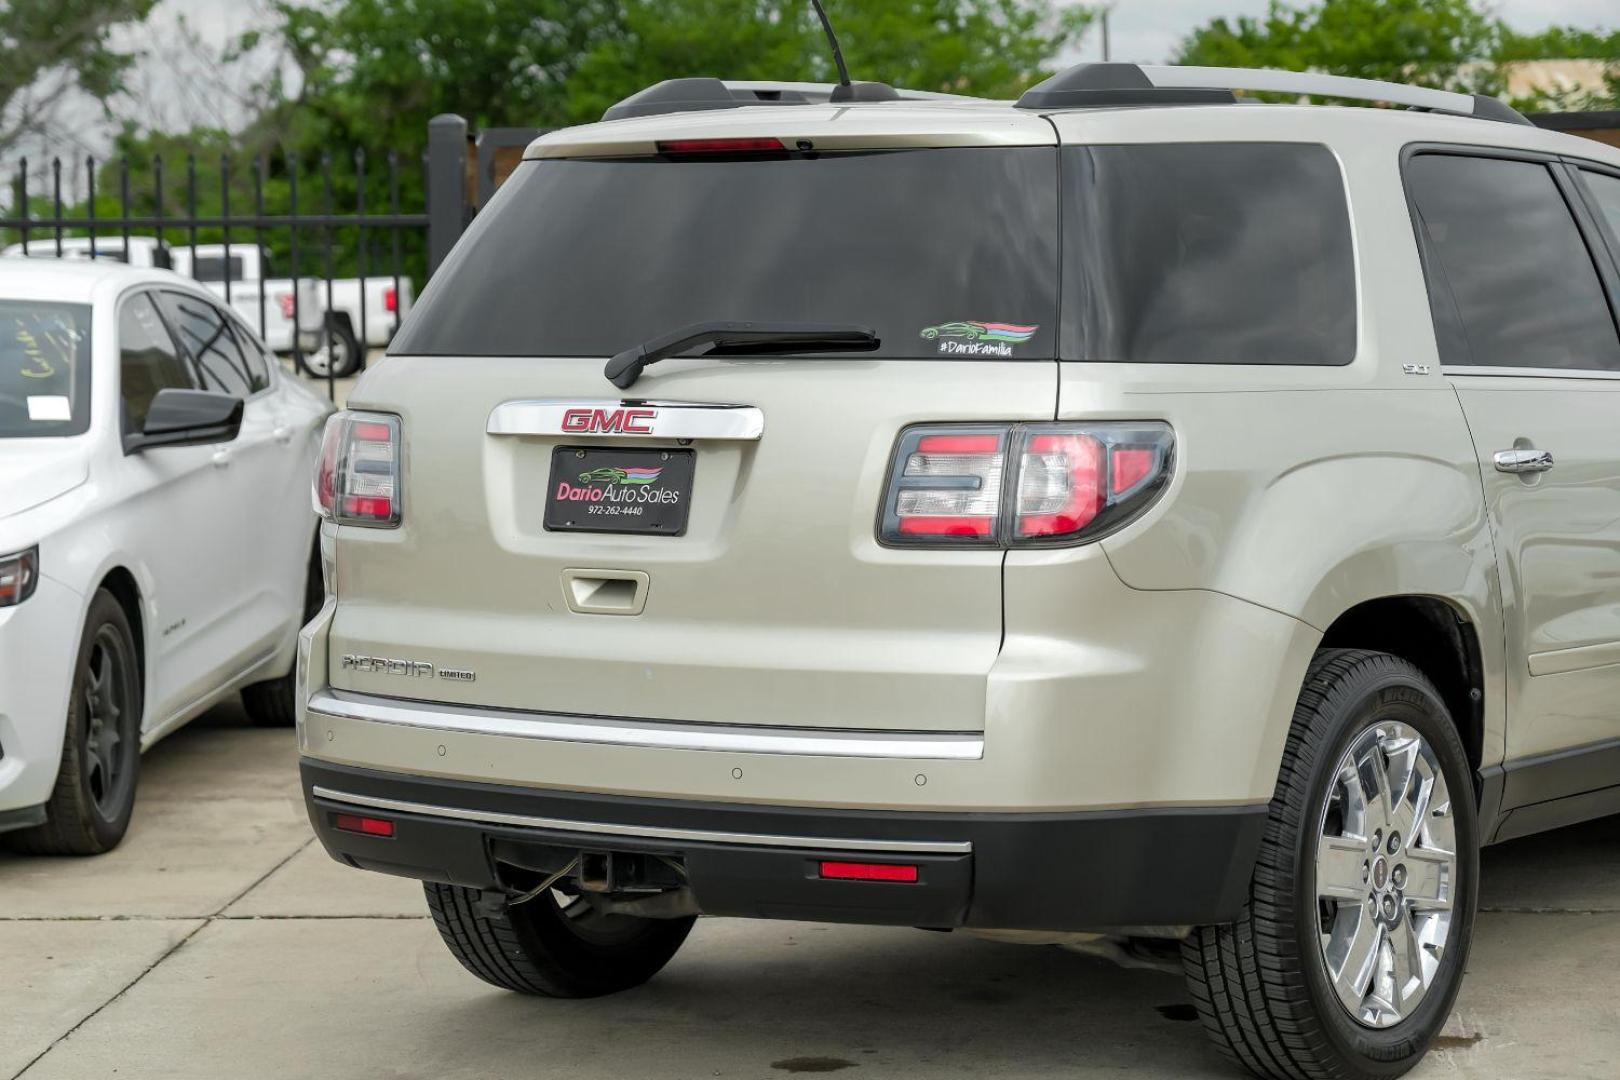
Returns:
<point x="1394" y="842"/>
<point x="1398" y="878"/>
<point x="1378" y="839"/>
<point x="1366" y="871"/>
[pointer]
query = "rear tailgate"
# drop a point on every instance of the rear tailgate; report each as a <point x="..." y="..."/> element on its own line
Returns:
<point x="776" y="606"/>
<point x="772" y="602"/>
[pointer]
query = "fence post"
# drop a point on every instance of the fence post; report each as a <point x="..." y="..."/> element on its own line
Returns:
<point x="447" y="185"/>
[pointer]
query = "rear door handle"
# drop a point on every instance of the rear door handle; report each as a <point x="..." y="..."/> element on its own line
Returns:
<point x="221" y="459"/>
<point x="1523" y="461"/>
<point x="284" y="434"/>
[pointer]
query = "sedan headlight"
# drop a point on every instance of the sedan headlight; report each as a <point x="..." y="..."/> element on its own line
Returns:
<point x="19" y="574"/>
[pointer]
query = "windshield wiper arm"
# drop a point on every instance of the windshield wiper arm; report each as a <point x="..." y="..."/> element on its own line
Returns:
<point x="732" y="338"/>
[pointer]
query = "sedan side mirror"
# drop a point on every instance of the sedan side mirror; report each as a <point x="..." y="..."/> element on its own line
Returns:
<point x="187" y="418"/>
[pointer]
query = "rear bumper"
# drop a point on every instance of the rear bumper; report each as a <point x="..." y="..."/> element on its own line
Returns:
<point x="1089" y="870"/>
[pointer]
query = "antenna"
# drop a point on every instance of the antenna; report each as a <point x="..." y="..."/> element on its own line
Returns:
<point x="832" y="39"/>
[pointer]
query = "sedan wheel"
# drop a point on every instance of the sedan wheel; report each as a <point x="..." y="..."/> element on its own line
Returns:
<point x="90" y="808"/>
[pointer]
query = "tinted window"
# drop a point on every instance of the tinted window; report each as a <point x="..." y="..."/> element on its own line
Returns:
<point x="942" y="252"/>
<point x="44" y="369"/>
<point x="1511" y="282"/>
<point x="258" y="357"/>
<point x="147" y="360"/>
<point x="1606" y="190"/>
<point x="1207" y="253"/>
<point x="206" y="333"/>
<point x="212" y="268"/>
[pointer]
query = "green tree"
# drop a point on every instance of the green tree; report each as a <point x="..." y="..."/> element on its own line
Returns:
<point x="990" y="48"/>
<point x="1450" y="44"/>
<point x="1437" y="43"/>
<point x="374" y="71"/>
<point x="50" y="47"/>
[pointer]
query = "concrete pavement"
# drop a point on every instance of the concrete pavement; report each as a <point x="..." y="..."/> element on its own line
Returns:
<point x="220" y="941"/>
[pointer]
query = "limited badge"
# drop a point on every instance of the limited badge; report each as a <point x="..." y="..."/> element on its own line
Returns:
<point x="978" y="338"/>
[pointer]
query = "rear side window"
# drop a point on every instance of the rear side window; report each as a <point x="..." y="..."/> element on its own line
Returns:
<point x="1605" y="189"/>
<point x="209" y="338"/>
<point x="1207" y="253"/>
<point x="147" y="360"/>
<point x="943" y="252"/>
<point x="1511" y="282"/>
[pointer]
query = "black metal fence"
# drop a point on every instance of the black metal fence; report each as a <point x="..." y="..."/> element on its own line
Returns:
<point x="396" y="223"/>
<point x="143" y="213"/>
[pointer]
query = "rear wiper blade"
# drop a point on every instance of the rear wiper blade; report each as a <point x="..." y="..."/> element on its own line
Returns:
<point x="733" y="338"/>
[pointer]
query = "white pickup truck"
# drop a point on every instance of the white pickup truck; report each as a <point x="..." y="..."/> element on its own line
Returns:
<point x="333" y="325"/>
<point x="360" y="311"/>
<point x="146" y="251"/>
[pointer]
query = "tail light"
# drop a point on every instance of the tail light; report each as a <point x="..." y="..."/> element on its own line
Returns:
<point x="390" y="299"/>
<point x="19" y="574"/>
<point x="357" y="479"/>
<point x="1022" y="484"/>
<point x="288" y="304"/>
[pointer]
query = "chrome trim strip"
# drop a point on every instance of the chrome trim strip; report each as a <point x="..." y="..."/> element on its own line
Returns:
<point x="647" y="832"/>
<point x="667" y="419"/>
<point x="1528" y="372"/>
<point x="650" y="734"/>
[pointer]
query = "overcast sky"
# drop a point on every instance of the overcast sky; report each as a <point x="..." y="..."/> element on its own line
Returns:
<point x="176" y="88"/>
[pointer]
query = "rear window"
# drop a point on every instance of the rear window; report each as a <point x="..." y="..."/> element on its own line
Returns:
<point x="44" y="369"/>
<point x="212" y="268"/>
<point x="1207" y="253"/>
<point x="943" y="252"/>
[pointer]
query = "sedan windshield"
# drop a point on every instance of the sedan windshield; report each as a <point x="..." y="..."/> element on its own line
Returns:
<point x="44" y="369"/>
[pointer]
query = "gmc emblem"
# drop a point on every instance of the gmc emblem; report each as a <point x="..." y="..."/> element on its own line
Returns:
<point x="609" y="421"/>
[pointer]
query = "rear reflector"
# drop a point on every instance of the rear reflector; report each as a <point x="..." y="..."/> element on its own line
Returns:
<point x="369" y="825"/>
<point x="1009" y="485"/>
<point x="722" y="146"/>
<point x="868" y="871"/>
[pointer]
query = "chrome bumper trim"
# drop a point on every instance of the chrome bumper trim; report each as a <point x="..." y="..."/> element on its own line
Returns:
<point x="650" y="734"/>
<point x="645" y="832"/>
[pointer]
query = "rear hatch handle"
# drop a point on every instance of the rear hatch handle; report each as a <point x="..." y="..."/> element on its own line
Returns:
<point x="733" y="338"/>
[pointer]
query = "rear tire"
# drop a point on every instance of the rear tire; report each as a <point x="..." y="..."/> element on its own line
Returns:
<point x="1266" y="986"/>
<point x="339" y="350"/>
<point x="90" y="808"/>
<point x="539" y="947"/>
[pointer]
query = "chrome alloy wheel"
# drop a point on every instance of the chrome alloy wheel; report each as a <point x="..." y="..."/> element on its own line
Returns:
<point x="1386" y="872"/>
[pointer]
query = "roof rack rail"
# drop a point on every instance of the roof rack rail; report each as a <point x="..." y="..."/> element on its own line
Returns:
<point x="703" y="94"/>
<point x="1149" y="84"/>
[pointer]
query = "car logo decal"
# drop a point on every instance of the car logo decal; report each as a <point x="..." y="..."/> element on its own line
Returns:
<point x="976" y="338"/>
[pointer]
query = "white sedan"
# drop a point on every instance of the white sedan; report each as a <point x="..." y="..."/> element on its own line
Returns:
<point x="156" y="538"/>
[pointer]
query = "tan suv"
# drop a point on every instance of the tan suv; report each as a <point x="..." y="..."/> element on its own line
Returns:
<point x="1124" y="512"/>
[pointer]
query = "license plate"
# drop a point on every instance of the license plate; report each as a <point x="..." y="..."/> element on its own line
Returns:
<point x="622" y="491"/>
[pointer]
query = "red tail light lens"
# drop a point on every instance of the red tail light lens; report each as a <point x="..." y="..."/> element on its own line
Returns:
<point x="357" y="479"/>
<point x="288" y="305"/>
<point x="1022" y="484"/>
<point x="390" y="299"/>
